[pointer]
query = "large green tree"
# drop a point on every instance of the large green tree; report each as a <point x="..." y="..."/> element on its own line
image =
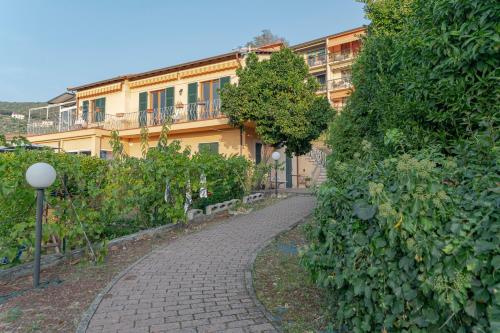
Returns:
<point x="279" y="95"/>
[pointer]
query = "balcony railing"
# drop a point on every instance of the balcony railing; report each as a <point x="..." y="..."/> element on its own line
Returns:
<point x="179" y="113"/>
<point x="340" y="56"/>
<point x="316" y="60"/>
<point x="322" y="87"/>
<point x="342" y="83"/>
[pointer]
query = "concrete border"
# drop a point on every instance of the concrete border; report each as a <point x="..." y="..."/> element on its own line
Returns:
<point x="249" y="278"/>
<point x="51" y="260"/>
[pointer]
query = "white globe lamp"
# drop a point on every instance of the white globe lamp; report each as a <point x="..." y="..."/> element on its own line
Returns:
<point x="276" y="155"/>
<point x="40" y="175"/>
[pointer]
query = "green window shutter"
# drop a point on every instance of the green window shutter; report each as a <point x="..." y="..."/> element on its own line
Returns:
<point x="224" y="80"/>
<point x="143" y="101"/>
<point x="100" y="104"/>
<point x="192" y="92"/>
<point x="211" y="147"/>
<point x="85" y="110"/>
<point x="169" y="93"/>
<point x="143" y="105"/>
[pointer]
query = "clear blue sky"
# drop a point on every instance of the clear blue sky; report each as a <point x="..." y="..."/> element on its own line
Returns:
<point x="47" y="46"/>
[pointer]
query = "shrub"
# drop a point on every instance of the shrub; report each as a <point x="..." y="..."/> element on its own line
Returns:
<point x="411" y="243"/>
<point x="96" y="199"/>
<point x="428" y="68"/>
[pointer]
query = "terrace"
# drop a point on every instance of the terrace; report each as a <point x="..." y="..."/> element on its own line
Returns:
<point x="55" y="119"/>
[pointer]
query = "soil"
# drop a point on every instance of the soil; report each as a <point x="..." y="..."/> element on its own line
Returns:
<point x="285" y="288"/>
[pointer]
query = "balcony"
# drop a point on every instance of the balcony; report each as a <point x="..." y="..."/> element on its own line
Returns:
<point x="316" y="60"/>
<point x="180" y="113"/>
<point x="337" y="57"/>
<point x="322" y="88"/>
<point x="342" y="83"/>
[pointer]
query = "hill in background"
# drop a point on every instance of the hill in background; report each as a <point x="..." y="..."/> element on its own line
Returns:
<point x="12" y="125"/>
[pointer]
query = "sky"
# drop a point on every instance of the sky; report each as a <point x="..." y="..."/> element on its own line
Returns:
<point x="47" y="46"/>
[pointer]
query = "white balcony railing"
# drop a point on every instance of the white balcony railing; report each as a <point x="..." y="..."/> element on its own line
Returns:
<point x="342" y="83"/>
<point x="179" y="113"/>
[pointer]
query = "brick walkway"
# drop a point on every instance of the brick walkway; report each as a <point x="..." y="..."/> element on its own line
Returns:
<point x="198" y="283"/>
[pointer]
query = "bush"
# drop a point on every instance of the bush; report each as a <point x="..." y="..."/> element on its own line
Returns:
<point x="411" y="243"/>
<point x="106" y="199"/>
<point x="428" y="68"/>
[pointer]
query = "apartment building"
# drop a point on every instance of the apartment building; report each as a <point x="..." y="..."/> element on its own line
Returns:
<point x="187" y="95"/>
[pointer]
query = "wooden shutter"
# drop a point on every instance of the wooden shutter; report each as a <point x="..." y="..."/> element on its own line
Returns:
<point x="193" y="92"/>
<point x="85" y="110"/>
<point x="169" y="92"/>
<point x="143" y="106"/>
<point x="100" y="104"/>
<point x="143" y="101"/>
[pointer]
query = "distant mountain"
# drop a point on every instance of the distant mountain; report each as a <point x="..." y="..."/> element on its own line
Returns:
<point x="12" y="125"/>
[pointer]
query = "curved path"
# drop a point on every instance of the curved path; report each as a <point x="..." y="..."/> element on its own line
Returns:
<point x="199" y="282"/>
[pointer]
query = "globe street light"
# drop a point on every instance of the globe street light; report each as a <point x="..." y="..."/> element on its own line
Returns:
<point x="39" y="176"/>
<point x="276" y="156"/>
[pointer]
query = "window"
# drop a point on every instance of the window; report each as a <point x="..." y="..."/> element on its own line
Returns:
<point x="99" y="109"/>
<point x="316" y="57"/>
<point x="211" y="97"/>
<point x="211" y="147"/>
<point x="106" y="155"/>
<point x="321" y="78"/>
<point x="158" y="104"/>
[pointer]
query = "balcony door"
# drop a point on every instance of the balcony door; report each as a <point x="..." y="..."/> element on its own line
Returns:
<point x="210" y="98"/>
<point x="158" y="104"/>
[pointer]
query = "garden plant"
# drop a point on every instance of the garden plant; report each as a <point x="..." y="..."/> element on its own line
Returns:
<point x="406" y="235"/>
<point x="94" y="200"/>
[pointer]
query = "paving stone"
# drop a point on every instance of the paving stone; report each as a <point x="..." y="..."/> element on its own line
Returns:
<point x="198" y="283"/>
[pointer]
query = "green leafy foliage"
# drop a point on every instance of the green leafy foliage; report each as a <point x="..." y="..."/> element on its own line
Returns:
<point x="278" y="95"/>
<point x="406" y="235"/>
<point x="428" y="69"/>
<point x="108" y="199"/>
<point x="410" y="243"/>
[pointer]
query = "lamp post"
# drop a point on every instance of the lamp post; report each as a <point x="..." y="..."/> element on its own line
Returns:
<point x="39" y="176"/>
<point x="276" y="156"/>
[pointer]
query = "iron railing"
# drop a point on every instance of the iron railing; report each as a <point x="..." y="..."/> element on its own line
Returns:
<point x="340" y="56"/>
<point x="316" y="60"/>
<point x="342" y="83"/>
<point x="318" y="156"/>
<point x="179" y="113"/>
<point x="322" y="87"/>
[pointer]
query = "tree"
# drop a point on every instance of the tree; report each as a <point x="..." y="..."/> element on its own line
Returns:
<point x="279" y="96"/>
<point x="265" y="38"/>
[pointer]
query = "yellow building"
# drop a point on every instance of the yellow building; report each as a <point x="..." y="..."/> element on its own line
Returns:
<point x="82" y="120"/>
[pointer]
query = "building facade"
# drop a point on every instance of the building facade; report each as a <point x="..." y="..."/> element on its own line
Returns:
<point x="187" y="96"/>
